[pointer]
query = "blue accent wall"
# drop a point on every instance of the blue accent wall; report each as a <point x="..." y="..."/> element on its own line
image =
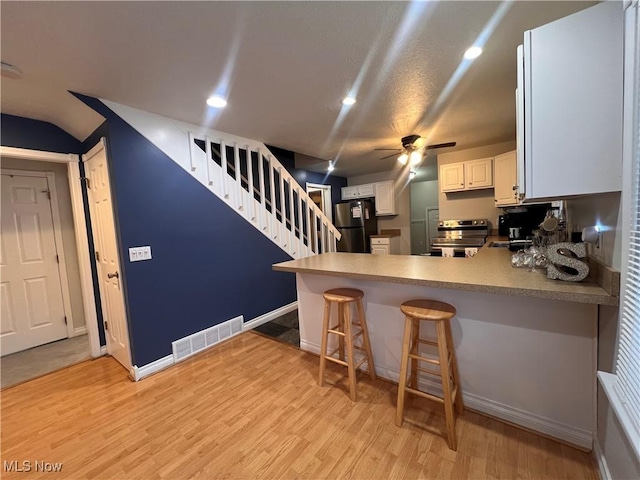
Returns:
<point x="287" y="159"/>
<point x="209" y="265"/>
<point x="32" y="134"/>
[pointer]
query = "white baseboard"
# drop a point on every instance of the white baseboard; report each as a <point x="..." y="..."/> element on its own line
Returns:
<point x="103" y="350"/>
<point x="153" y="367"/>
<point x="603" y="468"/>
<point x="79" y="331"/>
<point x="552" y="428"/>
<point x="138" y="373"/>
<point x="267" y="317"/>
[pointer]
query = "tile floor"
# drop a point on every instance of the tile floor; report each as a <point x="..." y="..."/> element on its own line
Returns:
<point x="285" y="328"/>
<point x="35" y="362"/>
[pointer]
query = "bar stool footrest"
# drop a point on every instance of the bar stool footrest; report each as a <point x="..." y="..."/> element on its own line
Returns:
<point x="424" y="394"/>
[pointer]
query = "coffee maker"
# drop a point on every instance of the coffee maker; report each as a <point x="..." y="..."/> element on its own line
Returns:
<point x="519" y="223"/>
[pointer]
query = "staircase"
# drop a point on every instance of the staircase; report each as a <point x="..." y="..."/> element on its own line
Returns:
<point x="245" y="175"/>
<point x="252" y="181"/>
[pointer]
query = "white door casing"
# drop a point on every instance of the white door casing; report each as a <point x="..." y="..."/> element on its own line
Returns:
<point x="325" y="190"/>
<point x="33" y="311"/>
<point x="107" y="259"/>
<point x="79" y="220"/>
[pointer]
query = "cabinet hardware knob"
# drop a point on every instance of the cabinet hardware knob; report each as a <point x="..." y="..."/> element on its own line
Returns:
<point x="515" y="187"/>
<point x="113" y="275"/>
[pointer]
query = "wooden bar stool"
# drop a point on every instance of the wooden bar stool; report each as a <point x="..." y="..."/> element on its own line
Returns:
<point x="343" y="297"/>
<point x="439" y="312"/>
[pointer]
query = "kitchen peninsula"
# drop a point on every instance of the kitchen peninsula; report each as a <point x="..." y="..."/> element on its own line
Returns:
<point x="526" y="345"/>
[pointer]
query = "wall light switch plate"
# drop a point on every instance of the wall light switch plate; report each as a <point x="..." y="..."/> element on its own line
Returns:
<point x="137" y="254"/>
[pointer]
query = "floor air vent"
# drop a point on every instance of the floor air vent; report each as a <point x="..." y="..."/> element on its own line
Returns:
<point x="187" y="346"/>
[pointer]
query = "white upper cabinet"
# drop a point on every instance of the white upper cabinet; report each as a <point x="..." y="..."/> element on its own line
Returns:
<point x="469" y="175"/>
<point x="451" y="177"/>
<point x="383" y="193"/>
<point x="385" y="198"/>
<point x="358" y="191"/>
<point x="478" y="173"/>
<point x="505" y="179"/>
<point x="570" y="105"/>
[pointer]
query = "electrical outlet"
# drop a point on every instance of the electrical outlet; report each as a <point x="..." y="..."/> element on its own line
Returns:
<point x="597" y="246"/>
<point x="137" y="254"/>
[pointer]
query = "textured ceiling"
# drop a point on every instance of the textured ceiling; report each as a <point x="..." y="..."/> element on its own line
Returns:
<point x="284" y="66"/>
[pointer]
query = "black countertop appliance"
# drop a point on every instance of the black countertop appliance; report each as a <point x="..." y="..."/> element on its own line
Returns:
<point x="520" y="222"/>
<point x="356" y="222"/>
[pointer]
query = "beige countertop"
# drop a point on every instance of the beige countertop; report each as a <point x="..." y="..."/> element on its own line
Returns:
<point x="489" y="271"/>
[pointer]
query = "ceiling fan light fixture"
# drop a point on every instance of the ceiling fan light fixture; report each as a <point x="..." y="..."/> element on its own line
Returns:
<point x="331" y="167"/>
<point x="403" y="159"/>
<point x="412" y="174"/>
<point x="414" y="158"/>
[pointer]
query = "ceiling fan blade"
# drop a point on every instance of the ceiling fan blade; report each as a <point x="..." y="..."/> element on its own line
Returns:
<point x="396" y="149"/>
<point x="440" y="145"/>
<point x="389" y="156"/>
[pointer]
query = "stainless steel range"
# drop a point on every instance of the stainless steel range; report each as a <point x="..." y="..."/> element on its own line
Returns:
<point x="459" y="234"/>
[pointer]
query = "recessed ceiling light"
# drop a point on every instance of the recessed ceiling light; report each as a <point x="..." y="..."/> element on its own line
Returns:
<point x="216" y="101"/>
<point x="330" y="168"/>
<point x="472" y="52"/>
<point x="348" y="100"/>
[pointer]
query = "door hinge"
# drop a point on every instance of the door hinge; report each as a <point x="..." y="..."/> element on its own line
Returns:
<point x="58" y="258"/>
<point x="65" y="320"/>
<point x="97" y="256"/>
<point x="106" y="325"/>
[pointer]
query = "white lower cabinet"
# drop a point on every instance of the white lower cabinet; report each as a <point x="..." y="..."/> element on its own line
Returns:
<point x="385" y="245"/>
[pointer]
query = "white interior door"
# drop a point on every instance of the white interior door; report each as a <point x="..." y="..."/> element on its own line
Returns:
<point x="32" y="308"/>
<point x="107" y="260"/>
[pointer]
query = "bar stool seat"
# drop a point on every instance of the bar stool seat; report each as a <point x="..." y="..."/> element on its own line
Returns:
<point x="344" y="297"/>
<point x="417" y="311"/>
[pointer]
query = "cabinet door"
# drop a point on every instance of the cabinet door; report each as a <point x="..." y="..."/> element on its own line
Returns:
<point x="506" y="192"/>
<point x="572" y="80"/>
<point x="366" y="191"/>
<point x="385" y="198"/>
<point x="452" y="177"/>
<point x="478" y="174"/>
<point x="380" y="249"/>
<point x="349" y="193"/>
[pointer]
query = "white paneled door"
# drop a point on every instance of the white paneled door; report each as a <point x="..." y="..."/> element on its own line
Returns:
<point x="107" y="260"/>
<point x="32" y="309"/>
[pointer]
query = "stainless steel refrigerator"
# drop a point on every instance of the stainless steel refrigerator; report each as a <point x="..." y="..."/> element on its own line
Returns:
<point x="356" y="221"/>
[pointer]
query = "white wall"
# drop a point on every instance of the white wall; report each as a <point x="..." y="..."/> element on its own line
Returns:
<point x="67" y="227"/>
<point x="476" y="203"/>
<point x="403" y="204"/>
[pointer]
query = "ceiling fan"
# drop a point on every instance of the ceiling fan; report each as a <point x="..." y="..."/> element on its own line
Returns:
<point x="411" y="149"/>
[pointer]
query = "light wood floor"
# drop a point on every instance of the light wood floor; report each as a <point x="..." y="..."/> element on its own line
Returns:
<point x="251" y="408"/>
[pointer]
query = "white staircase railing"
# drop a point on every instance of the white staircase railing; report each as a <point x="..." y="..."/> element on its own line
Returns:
<point x="254" y="183"/>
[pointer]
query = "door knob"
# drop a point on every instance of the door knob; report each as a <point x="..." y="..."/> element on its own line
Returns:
<point x="113" y="275"/>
